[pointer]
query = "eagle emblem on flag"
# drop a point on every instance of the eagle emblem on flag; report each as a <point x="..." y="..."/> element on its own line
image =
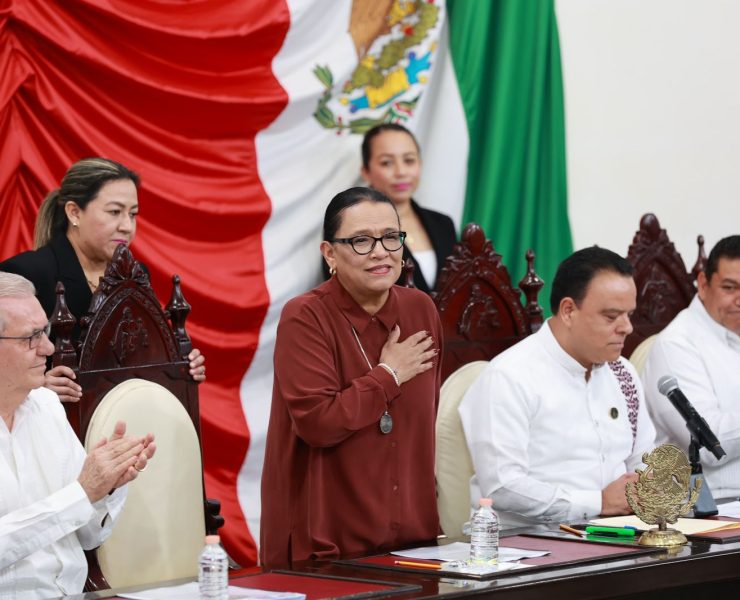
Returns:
<point x="395" y="42"/>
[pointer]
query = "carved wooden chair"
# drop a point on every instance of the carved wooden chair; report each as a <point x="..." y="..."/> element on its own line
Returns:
<point x="131" y="362"/>
<point x="482" y="313"/>
<point x="664" y="287"/>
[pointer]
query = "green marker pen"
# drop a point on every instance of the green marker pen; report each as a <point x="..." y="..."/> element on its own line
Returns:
<point x="610" y="531"/>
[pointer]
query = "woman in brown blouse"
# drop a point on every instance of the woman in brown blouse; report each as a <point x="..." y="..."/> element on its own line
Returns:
<point x="349" y="462"/>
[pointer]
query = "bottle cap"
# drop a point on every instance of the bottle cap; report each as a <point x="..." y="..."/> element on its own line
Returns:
<point x="485" y="502"/>
<point x="212" y="539"/>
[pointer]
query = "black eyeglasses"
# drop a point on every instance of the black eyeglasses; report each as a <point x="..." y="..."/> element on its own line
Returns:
<point x="34" y="339"/>
<point x="365" y="244"/>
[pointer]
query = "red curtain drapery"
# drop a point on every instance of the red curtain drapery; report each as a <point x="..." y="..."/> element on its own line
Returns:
<point x="176" y="91"/>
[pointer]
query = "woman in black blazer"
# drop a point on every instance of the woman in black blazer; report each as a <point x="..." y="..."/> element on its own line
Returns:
<point x="78" y="228"/>
<point x="391" y="163"/>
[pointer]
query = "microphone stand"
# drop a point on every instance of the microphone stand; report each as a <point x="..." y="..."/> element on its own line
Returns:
<point x="705" y="506"/>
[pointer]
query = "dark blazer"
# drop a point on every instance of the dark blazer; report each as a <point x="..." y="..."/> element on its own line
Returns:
<point x="56" y="261"/>
<point x="441" y="232"/>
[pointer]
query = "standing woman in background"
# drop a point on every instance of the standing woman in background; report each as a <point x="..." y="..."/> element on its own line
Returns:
<point x="78" y="228"/>
<point x="391" y="164"/>
<point x="349" y="461"/>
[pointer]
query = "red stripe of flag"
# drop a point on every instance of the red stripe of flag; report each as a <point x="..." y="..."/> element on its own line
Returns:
<point x="177" y="93"/>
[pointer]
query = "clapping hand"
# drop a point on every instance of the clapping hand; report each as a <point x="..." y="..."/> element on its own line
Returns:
<point x="115" y="461"/>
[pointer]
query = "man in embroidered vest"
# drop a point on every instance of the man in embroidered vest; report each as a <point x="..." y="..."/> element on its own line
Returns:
<point x="556" y="424"/>
<point x="701" y="349"/>
<point x="55" y="500"/>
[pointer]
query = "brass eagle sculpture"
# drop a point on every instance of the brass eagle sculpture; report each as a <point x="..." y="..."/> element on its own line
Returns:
<point x="661" y="493"/>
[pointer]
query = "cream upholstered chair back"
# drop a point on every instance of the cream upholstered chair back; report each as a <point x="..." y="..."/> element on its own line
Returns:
<point x="160" y="532"/>
<point x="454" y="467"/>
<point x="638" y="358"/>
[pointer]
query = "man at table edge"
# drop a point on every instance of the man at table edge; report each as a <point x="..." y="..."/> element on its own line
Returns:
<point x="557" y="424"/>
<point x="701" y="349"/>
<point x="56" y="500"/>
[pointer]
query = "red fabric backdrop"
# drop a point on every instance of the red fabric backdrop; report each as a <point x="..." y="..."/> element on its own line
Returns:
<point x="177" y="92"/>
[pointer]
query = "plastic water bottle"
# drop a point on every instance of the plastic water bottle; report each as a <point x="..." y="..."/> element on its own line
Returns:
<point x="484" y="534"/>
<point x="213" y="571"/>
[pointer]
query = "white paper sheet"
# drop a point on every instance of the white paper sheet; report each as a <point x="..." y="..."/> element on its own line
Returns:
<point x="461" y="551"/>
<point x="460" y="567"/>
<point x="729" y="509"/>
<point x="685" y="526"/>
<point x="190" y="591"/>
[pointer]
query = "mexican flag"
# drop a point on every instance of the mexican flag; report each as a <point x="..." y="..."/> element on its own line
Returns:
<point x="244" y="119"/>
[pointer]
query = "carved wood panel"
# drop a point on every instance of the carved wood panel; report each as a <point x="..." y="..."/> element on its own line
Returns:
<point x="664" y="287"/>
<point x="482" y="313"/>
<point x="126" y="334"/>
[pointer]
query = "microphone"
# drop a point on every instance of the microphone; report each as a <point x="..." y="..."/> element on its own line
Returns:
<point x="700" y="431"/>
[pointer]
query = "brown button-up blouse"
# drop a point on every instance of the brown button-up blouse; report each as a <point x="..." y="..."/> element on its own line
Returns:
<point x="332" y="483"/>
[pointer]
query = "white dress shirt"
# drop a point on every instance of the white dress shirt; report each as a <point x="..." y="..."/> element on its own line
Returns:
<point x="544" y="441"/>
<point x="46" y="518"/>
<point x="704" y="357"/>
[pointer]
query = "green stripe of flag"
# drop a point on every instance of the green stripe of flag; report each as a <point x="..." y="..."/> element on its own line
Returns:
<point x="506" y="56"/>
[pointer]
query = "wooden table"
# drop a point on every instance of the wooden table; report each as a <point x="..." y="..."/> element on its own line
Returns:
<point x="698" y="570"/>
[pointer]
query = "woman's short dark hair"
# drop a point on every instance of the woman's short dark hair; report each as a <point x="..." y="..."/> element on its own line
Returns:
<point x="728" y="247"/>
<point x="81" y="184"/>
<point x="576" y="272"/>
<point x="345" y="199"/>
<point x="371" y="134"/>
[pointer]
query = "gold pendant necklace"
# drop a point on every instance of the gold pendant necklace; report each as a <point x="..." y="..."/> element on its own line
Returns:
<point x="90" y="280"/>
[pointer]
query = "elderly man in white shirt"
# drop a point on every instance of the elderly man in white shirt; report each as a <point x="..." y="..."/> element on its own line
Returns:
<point x="701" y="349"/>
<point x="55" y="500"/>
<point x="556" y="424"/>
